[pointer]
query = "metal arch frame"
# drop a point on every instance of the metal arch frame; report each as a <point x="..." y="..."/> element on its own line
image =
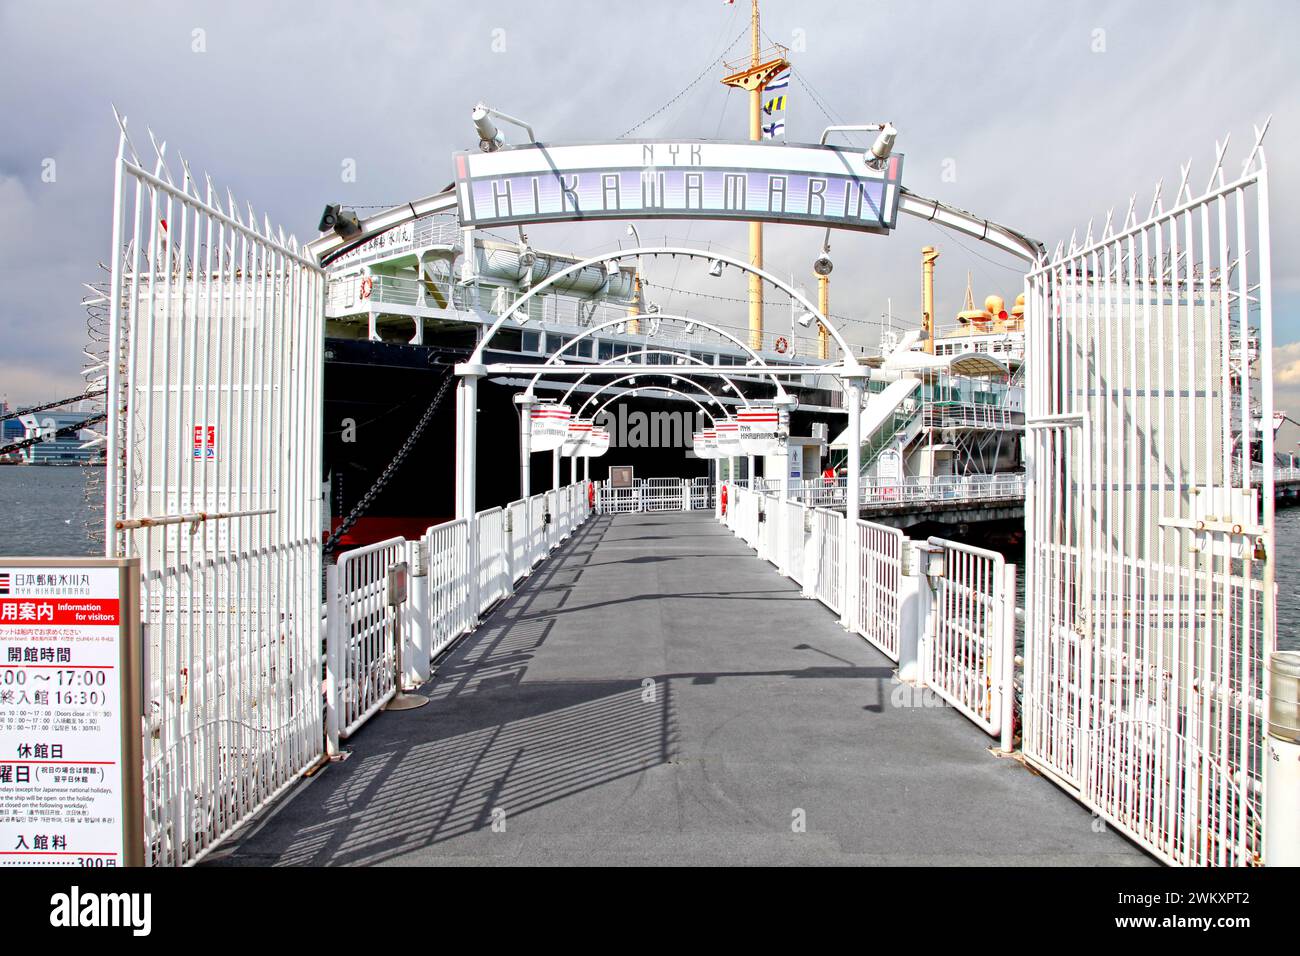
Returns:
<point x="326" y="248"/>
<point x="475" y="363"/>
<point x="605" y="365"/>
<point x="552" y="363"/>
<point x="663" y="388"/>
<point x="650" y="388"/>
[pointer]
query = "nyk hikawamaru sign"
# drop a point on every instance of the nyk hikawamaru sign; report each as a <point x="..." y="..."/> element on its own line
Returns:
<point x="807" y="184"/>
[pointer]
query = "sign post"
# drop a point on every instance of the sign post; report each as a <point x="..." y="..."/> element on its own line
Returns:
<point x="71" y="705"/>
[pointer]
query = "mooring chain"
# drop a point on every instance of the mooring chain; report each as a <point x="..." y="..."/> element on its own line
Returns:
<point x="368" y="498"/>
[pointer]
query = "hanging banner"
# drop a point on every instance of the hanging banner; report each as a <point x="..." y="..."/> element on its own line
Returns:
<point x="596" y="444"/>
<point x="579" y="432"/>
<point x="705" y="443"/>
<point x="830" y="185"/>
<point x="71" y="788"/>
<point x="550" y="426"/>
<point x="763" y="429"/>
<point x="727" y="432"/>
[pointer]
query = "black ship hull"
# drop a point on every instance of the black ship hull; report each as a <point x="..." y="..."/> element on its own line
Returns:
<point x="377" y="392"/>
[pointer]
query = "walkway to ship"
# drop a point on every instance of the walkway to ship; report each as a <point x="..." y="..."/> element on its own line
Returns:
<point x="657" y="694"/>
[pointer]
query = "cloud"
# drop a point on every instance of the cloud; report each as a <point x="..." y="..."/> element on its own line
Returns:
<point x="1012" y="112"/>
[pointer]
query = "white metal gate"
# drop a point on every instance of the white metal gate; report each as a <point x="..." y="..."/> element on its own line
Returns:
<point x="1150" y="592"/>
<point x="968" y="653"/>
<point x="213" y="482"/>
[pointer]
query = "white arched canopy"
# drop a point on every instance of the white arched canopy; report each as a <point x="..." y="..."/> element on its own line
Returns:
<point x="760" y="364"/>
<point x="692" y="362"/>
<point x="663" y="388"/>
<point x="520" y="305"/>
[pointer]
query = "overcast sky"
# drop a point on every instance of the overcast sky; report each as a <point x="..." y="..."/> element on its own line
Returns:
<point x="1042" y="114"/>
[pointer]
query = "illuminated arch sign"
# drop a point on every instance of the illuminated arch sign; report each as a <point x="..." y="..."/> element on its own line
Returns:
<point x="811" y="185"/>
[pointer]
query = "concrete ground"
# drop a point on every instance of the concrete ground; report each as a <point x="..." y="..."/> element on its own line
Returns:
<point x="655" y="693"/>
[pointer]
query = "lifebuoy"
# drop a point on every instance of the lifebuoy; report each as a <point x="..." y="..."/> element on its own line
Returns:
<point x="724" y="501"/>
<point x="782" y="346"/>
<point x="367" y="286"/>
<point x="591" y="496"/>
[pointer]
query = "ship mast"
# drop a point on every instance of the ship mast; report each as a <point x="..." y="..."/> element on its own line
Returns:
<point x="752" y="77"/>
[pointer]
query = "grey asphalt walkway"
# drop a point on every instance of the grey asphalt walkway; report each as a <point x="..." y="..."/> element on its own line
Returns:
<point x="657" y="694"/>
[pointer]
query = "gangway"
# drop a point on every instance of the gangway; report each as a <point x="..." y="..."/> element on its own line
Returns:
<point x="890" y="416"/>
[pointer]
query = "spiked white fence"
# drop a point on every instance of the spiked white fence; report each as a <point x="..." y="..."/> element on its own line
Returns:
<point x="1150" y="599"/>
<point x="216" y="325"/>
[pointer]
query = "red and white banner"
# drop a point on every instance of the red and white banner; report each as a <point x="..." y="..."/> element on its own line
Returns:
<point x="550" y="426"/>
<point x="579" y="433"/>
<point x="705" y="443"/>
<point x="727" y="431"/>
<point x="596" y="445"/>
<point x="762" y="429"/>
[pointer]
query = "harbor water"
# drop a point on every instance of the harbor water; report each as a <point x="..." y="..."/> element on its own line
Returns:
<point x="46" y="512"/>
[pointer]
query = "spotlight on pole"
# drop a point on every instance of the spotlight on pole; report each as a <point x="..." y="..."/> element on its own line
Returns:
<point x="883" y="146"/>
<point x="490" y="138"/>
<point x="715" y="268"/>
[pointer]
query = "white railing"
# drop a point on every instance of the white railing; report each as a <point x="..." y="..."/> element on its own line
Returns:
<point x="968" y="657"/>
<point x="447" y="584"/>
<point x="880" y="568"/>
<point x="495" y="579"/>
<point x="459" y="570"/>
<point x="654" y="495"/>
<point x="661" y="494"/>
<point x="361" y="648"/>
<point x="701" y="494"/>
<point x="826" y="581"/>
<point x="887" y="492"/>
<point x="958" y="638"/>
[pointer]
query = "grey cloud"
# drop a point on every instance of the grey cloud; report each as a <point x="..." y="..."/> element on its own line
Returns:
<point x="1044" y="133"/>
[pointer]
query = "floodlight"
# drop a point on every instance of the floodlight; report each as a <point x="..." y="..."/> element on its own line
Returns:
<point x="490" y="139"/>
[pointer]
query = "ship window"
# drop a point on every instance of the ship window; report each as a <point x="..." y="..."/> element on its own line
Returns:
<point x="507" y="340"/>
<point x="528" y="341"/>
<point x="605" y="350"/>
<point x="584" y="348"/>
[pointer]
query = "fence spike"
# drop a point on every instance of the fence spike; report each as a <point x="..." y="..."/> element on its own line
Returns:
<point x="1156" y="205"/>
<point x="1257" y="149"/>
<point x="1216" y="174"/>
<point x="1182" y="183"/>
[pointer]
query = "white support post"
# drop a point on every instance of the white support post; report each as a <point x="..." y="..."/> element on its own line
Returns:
<point x="460" y="450"/>
<point x="915" y="604"/>
<point x="525" y="403"/>
<point x="467" y="456"/>
<point x="1007" y="668"/>
<point x="848" y="557"/>
<point x="554" y="499"/>
<point x="419" y="628"/>
<point x="687" y="503"/>
<point x="1281" y="843"/>
<point x="812" y="552"/>
<point x="333" y="672"/>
